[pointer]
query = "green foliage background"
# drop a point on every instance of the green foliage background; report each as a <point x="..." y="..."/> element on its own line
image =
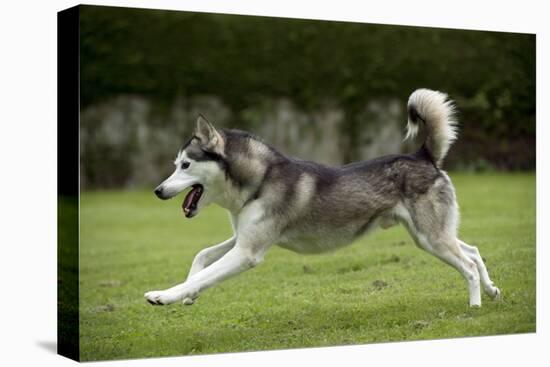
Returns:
<point x="244" y="59"/>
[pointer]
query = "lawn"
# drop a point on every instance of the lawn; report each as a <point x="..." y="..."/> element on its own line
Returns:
<point x="380" y="289"/>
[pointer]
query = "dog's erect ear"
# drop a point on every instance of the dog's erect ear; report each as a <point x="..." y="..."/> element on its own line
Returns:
<point x="210" y="138"/>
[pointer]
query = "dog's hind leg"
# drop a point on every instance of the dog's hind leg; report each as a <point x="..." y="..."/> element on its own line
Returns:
<point x="432" y="220"/>
<point x="448" y="250"/>
<point x="473" y="253"/>
<point x="451" y="253"/>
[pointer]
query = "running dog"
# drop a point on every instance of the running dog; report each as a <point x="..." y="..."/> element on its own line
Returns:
<point x="308" y="207"/>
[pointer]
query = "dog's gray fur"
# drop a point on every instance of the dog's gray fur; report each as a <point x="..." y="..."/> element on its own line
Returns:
<point x="308" y="207"/>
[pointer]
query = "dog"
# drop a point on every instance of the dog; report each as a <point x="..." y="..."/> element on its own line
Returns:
<point x="308" y="207"/>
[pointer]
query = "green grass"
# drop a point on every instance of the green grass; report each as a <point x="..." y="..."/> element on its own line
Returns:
<point x="382" y="288"/>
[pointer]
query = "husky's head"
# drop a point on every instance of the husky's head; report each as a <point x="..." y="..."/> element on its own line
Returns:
<point x="199" y="166"/>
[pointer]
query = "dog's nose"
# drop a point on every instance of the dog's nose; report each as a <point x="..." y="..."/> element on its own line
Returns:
<point x="158" y="192"/>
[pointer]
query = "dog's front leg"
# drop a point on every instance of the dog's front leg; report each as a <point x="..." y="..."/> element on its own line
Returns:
<point x="206" y="257"/>
<point x="254" y="233"/>
<point x="211" y="254"/>
<point x="240" y="258"/>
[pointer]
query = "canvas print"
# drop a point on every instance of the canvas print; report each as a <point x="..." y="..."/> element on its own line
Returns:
<point x="234" y="183"/>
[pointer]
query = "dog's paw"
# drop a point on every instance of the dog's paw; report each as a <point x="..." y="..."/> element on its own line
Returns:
<point x="188" y="301"/>
<point x="159" y="298"/>
<point x="497" y="296"/>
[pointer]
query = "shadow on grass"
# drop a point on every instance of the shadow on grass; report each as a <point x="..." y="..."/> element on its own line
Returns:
<point x="48" y="345"/>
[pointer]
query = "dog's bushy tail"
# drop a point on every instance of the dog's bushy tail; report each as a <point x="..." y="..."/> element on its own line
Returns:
<point x="437" y="113"/>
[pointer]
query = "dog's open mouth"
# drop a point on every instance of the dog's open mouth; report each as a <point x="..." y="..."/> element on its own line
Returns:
<point x="191" y="200"/>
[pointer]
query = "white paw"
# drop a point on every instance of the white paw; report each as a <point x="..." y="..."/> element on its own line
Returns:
<point x="188" y="301"/>
<point x="475" y="302"/>
<point x="160" y="297"/>
<point x="497" y="295"/>
<point x="189" y="296"/>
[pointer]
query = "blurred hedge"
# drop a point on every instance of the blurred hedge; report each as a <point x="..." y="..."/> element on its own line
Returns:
<point x="162" y="55"/>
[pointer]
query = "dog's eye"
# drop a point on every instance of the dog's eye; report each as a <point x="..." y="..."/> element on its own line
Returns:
<point x="185" y="165"/>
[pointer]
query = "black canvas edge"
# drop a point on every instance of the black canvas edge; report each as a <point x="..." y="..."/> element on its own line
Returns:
<point x="68" y="156"/>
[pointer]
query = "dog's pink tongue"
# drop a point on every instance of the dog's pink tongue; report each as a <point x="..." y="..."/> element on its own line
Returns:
<point x="190" y="201"/>
<point x="186" y="205"/>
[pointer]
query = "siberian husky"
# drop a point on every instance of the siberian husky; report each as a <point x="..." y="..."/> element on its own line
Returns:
<point x="308" y="207"/>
